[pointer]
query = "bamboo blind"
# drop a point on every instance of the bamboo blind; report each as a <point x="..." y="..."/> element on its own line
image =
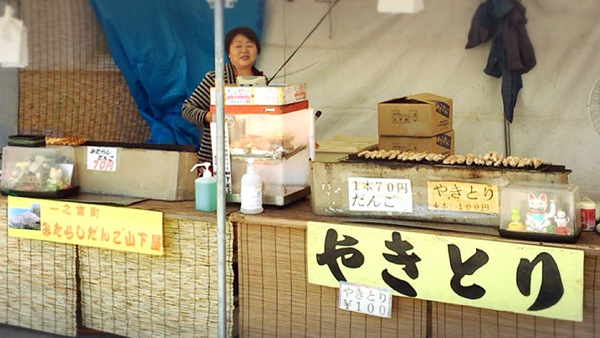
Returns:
<point x="37" y="283"/>
<point x="174" y="295"/>
<point x="72" y="86"/>
<point x="276" y="300"/>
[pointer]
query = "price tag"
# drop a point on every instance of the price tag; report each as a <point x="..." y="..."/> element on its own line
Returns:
<point x="379" y="194"/>
<point x="370" y="300"/>
<point x="462" y="196"/>
<point x="101" y="159"/>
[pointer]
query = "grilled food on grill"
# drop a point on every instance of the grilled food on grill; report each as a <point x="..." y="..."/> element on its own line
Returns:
<point x="491" y="158"/>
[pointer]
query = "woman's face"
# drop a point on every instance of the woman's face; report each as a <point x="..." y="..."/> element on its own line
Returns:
<point x="242" y="52"/>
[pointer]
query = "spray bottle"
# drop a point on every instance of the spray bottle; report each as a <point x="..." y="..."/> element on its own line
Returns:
<point x="251" y="191"/>
<point x="205" y="188"/>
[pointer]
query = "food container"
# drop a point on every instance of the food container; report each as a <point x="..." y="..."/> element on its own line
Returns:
<point x="27" y="140"/>
<point x="280" y="146"/>
<point x="332" y="189"/>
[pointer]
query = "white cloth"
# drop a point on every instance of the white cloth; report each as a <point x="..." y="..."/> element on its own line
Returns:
<point x="13" y="40"/>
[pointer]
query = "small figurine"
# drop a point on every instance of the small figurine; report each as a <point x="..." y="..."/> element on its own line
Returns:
<point x="561" y="220"/>
<point x="55" y="180"/>
<point x="515" y="221"/>
<point x="537" y="220"/>
<point x="36" y="165"/>
<point x="37" y="173"/>
<point x="16" y="175"/>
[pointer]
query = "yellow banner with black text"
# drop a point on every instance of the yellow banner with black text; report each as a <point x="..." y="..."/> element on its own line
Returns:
<point x="521" y="278"/>
<point x="117" y="228"/>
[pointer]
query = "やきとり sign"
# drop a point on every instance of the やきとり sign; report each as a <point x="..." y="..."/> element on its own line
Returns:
<point x="528" y="279"/>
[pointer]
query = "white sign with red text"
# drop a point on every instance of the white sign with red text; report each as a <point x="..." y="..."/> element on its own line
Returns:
<point x="101" y="159"/>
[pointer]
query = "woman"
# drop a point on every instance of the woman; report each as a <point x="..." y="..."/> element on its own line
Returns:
<point x="242" y="47"/>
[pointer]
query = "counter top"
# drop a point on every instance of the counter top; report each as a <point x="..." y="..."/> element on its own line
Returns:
<point x="299" y="213"/>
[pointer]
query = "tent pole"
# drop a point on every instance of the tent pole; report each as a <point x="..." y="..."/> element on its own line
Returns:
<point x="219" y="84"/>
<point x="506" y="137"/>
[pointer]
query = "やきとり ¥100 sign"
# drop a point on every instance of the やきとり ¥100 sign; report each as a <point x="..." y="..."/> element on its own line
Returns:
<point x="527" y="279"/>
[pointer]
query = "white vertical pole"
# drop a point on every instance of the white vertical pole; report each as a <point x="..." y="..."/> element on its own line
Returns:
<point x="221" y="259"/>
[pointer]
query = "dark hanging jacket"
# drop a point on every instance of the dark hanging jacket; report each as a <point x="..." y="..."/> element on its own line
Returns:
<point x="511" y="54"/>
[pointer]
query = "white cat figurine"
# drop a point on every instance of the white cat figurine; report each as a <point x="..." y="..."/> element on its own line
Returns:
<point x="537" y="219"/>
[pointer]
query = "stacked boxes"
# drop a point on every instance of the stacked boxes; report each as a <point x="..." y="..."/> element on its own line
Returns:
<point x="421" y="122"/>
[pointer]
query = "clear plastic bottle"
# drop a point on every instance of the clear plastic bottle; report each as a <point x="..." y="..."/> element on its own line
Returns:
<point x="251" y="191"/>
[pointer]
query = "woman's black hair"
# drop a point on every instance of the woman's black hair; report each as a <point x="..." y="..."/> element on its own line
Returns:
<point x="245" y="31"/>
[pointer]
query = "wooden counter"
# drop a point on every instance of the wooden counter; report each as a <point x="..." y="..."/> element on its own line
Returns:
<point x="275" y="298"/>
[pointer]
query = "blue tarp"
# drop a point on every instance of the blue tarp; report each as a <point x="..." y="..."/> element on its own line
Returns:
<point x="164" y="48"/>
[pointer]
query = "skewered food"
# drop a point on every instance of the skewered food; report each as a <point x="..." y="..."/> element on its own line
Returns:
<point x="489" y="159"/>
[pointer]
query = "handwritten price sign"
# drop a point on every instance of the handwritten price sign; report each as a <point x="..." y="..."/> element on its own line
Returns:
<point x="379" y="194"/>
<point x="370" y="300"/>
<point x="463" y="196"/>
<point x="101" y="159"/>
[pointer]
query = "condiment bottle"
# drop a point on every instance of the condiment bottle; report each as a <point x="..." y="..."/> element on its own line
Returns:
<point x="251" y="191"/>
<point x="205" y="189"/>
<point x="588" y="214"/>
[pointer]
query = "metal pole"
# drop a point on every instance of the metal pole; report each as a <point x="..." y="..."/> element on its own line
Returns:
<point x="219" y="84"/>
<point x="506" y="137"/>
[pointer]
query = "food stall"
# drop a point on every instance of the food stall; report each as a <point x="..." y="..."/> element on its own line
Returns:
<point x="137" y="259"/>
<point x="136" y="263"/>
<point x="277" y="299"/>
<point x="275" y="286"/>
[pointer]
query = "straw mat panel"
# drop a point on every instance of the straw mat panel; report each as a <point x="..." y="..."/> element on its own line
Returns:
<point x="174" y="295"/>
<point x="451" y="321"/>
<point x="276" y="300"/>
<point x="37" y="283"/>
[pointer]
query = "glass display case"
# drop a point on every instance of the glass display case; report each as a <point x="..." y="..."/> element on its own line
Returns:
<point x="280" y="145"/>
<point x="540" y="212"/>
<point x="39" y="171"/>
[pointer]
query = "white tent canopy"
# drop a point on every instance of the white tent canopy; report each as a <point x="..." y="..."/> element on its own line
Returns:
<point x="359" y="57"/>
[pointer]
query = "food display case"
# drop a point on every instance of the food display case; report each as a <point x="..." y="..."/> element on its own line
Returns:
<point x="46" y="172"/>
<point x="280" y="146"/>
<point x="374" y="189"/>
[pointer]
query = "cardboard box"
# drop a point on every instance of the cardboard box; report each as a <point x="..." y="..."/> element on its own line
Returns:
<point x="421" y="115"/>
<point x="269" y="95"/>
<point x="161" y="174"/>
<point x="439" y="144"/>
